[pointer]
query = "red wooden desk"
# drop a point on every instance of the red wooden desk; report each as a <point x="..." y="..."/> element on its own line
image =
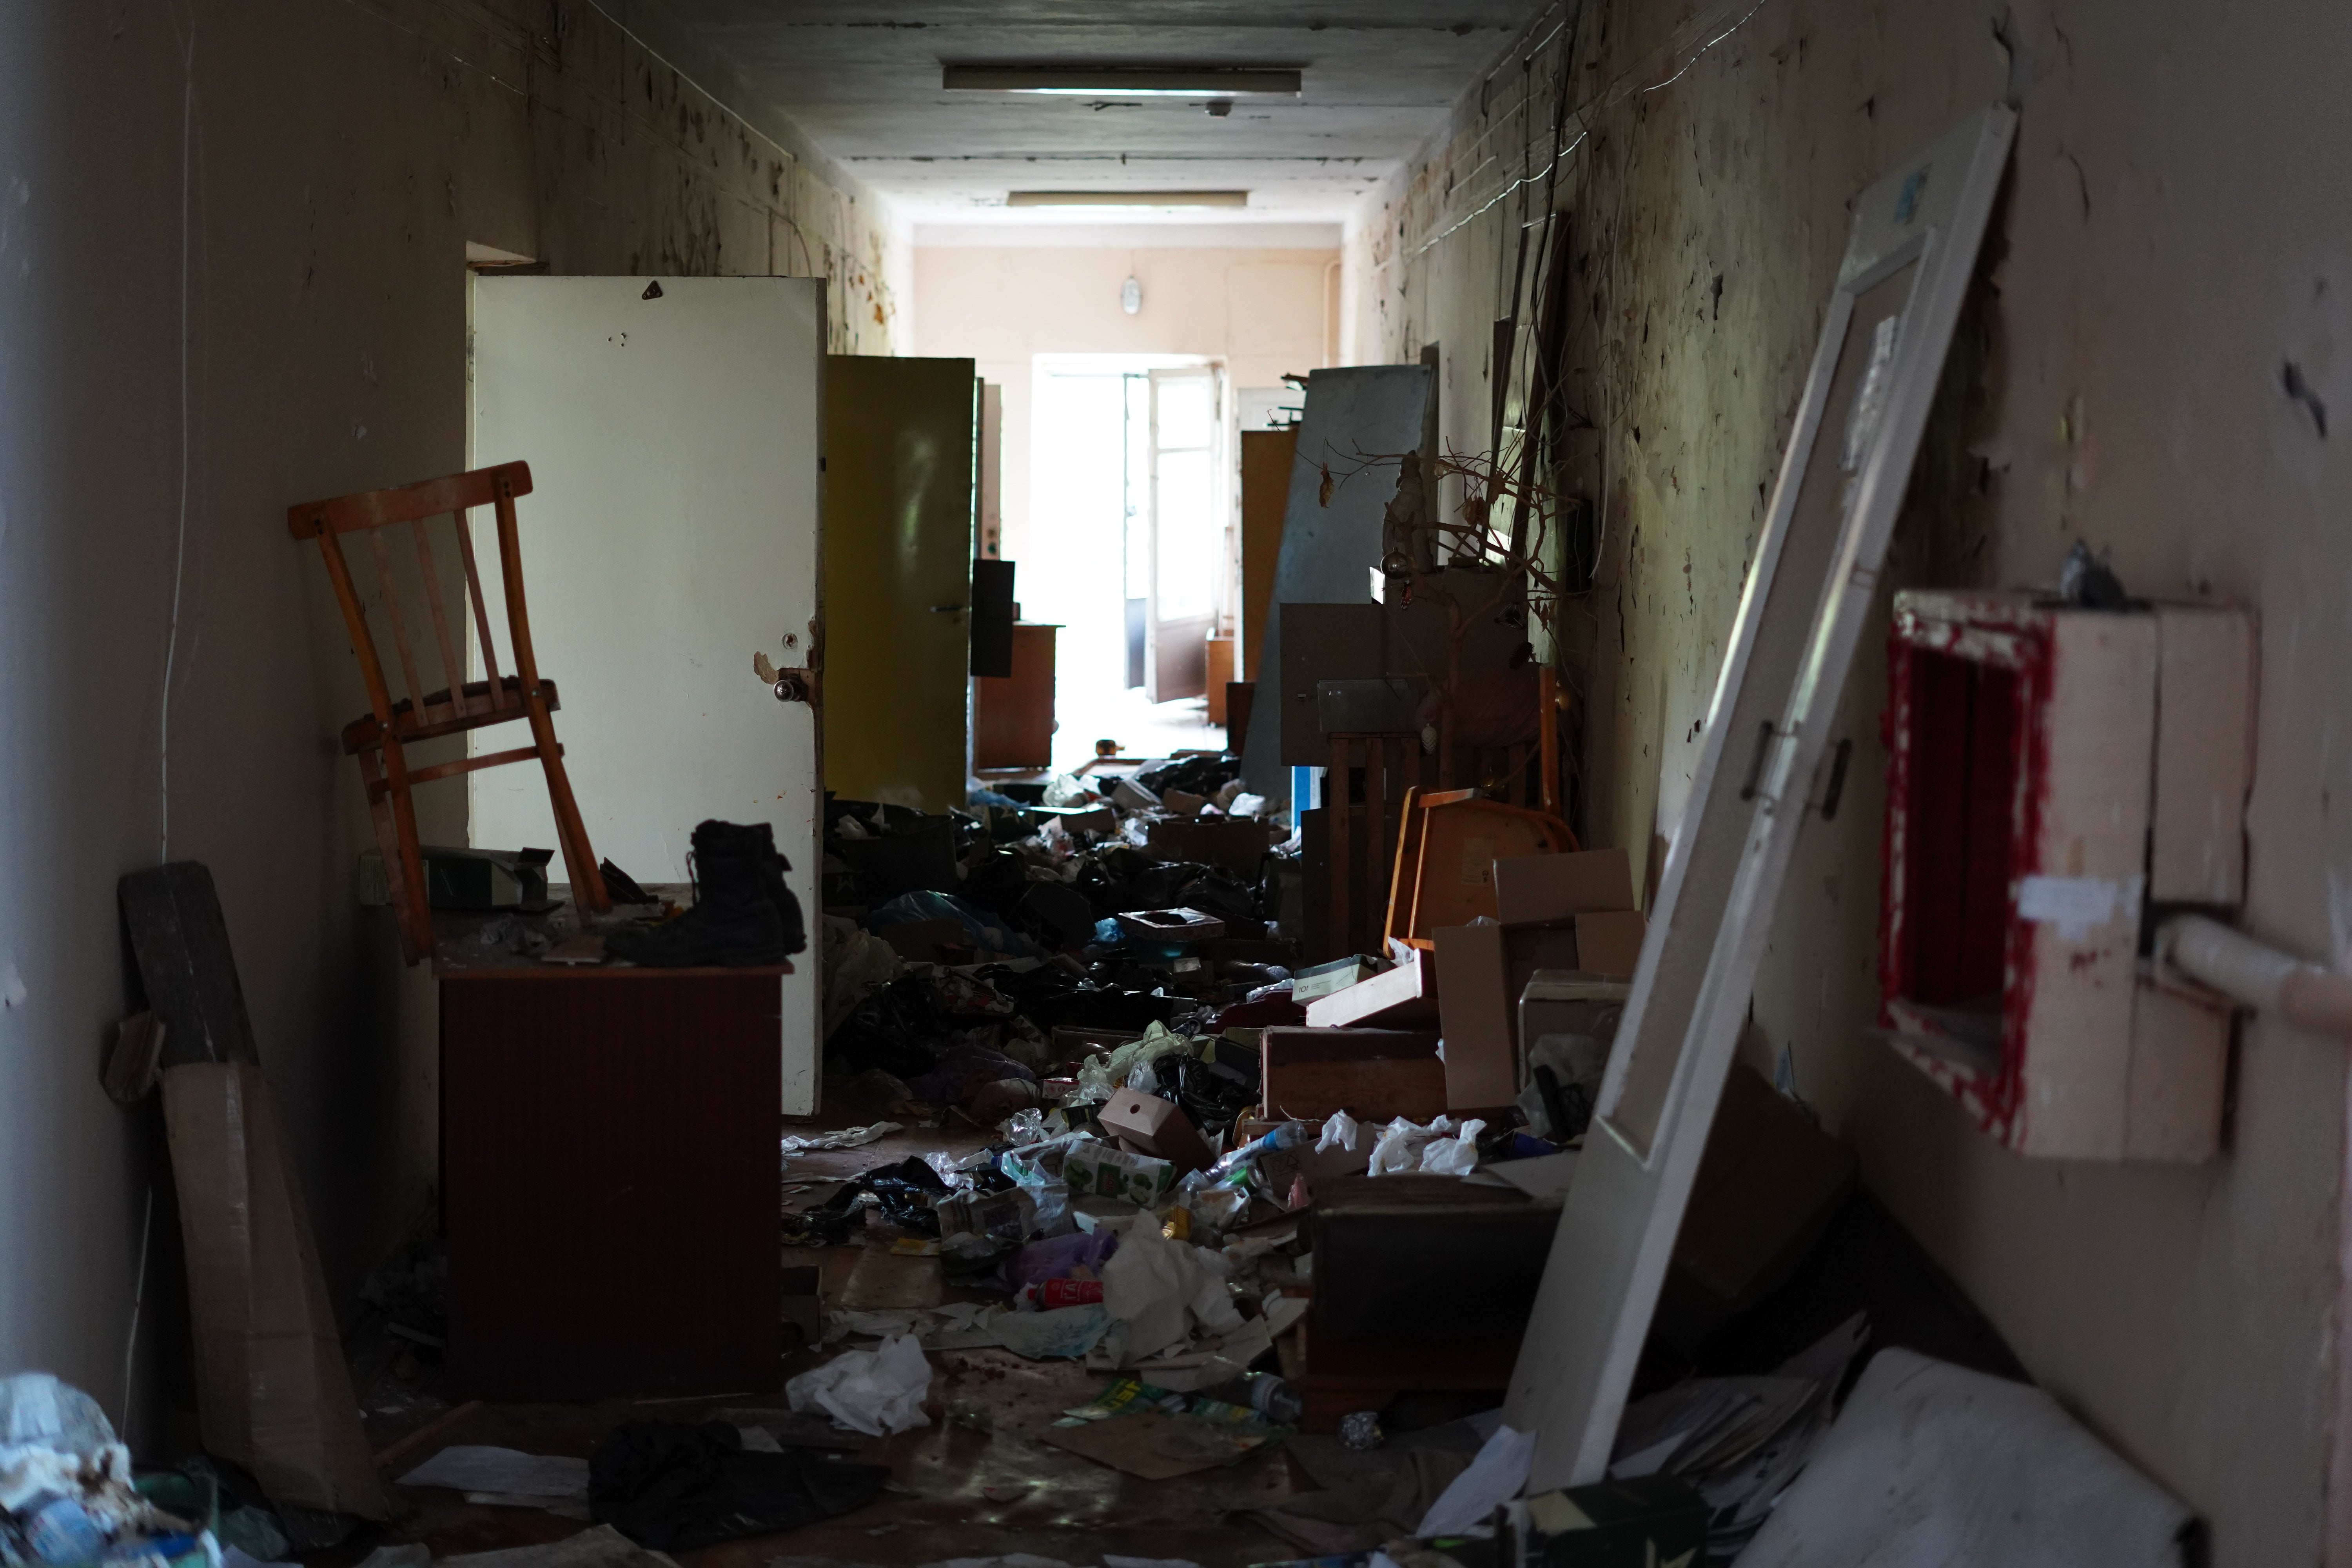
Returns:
<point x="609" y="1180"/>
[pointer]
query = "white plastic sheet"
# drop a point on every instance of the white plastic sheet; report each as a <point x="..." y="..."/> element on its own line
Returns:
<point x="876" y="1392"/>
<point x="1340" y="1132"/>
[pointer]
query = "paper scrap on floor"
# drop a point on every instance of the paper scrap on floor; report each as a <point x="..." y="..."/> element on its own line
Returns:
<point x="493" y="1472"/>
<point x="847" y="1138"/>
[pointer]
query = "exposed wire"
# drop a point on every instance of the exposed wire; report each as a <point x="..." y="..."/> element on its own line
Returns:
<point x="138" y="1300"/>
<point x="180" y="550"/>
<point x="1706" y="45"/>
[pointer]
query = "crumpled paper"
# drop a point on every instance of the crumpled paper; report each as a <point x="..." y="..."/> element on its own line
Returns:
<point x="875" y="1391"/>
<point x="1340" y="1132"/>
<point x="1400" y="1142"/>
<point x="1454" y="1156"/>
<point x="1159" y="1288"/>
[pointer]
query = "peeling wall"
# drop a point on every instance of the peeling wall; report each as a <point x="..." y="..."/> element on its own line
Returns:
<point x="2150" y="365"/>
<point x="232" y="278"/>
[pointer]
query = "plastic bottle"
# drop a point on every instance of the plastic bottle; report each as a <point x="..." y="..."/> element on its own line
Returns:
<point x="1266" y="1392"/>
<point x="58" y="1529"/>
<point x="1289" y="1135"/>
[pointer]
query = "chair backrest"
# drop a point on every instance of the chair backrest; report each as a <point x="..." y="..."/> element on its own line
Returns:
<point x="374" y="511"/>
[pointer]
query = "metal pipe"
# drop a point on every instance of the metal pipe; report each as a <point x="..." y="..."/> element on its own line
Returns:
<point x="2255" y="975"/>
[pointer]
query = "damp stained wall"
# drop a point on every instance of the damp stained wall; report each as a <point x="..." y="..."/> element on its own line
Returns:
<point x="232" y="278"/>
<point x="2156" y="361"/>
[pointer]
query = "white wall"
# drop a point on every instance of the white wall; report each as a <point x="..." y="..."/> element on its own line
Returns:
<point x="2121" y="378"/>
<point x="339" y="160"/>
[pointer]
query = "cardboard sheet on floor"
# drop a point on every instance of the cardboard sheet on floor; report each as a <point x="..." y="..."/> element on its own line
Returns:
<point x="883" y="1281"/>
<point x="273" y="1392"/>
<point x="1158" y="1448"/>
<point x="602" y="1547"/>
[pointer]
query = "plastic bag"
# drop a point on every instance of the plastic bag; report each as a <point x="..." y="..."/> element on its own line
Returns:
<point x="1455" y="1156"/>
<point x="876" y="1392"/>
<point x="1340" y="1132"/>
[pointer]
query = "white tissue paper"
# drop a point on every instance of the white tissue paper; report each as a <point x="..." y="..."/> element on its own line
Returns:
<point x="875" y="1391"/>
<point x="1340" y="1132"/>
<point x="1455" y="1156"/>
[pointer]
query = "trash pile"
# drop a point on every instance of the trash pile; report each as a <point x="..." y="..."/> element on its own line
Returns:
<point x="66" y="1493"/>
<point x="956" y="946"/>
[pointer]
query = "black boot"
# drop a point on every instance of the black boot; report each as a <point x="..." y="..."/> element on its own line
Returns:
<point x="734" y="921"/>
<point x="772" y="866"/>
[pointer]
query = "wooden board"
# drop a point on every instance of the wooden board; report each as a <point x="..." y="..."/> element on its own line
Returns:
<point x="1266" y="457"/>
<point x="1374" y="1075"/>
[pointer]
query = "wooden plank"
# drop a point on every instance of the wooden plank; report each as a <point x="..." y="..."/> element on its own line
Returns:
<point x="180" y="939"/>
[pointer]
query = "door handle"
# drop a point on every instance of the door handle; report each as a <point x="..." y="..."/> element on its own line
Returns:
<point x="948" y="609"/>
<point x="794" y="685"/>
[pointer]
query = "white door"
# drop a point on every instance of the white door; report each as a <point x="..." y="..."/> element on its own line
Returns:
<point x="1808" y="594"/>
<point x="673" y="436"/>
<point x="1189" y="502"/>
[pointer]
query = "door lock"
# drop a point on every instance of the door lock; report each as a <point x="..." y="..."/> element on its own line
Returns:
<point x="792" y="686"/>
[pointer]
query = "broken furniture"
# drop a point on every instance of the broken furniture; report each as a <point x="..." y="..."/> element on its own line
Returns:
<point x="1447" y="844"/>
<point x="381" y="739"/>
<point x="2052" y="770"/>
<point x="1402" y="996"/>
<point x="1013" y="714"/>
<point x="608" y="1175"/>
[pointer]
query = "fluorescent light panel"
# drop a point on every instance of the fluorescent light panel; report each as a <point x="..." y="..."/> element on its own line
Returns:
<point x="1126" y="199"/>
<point x="1125" y="81"/>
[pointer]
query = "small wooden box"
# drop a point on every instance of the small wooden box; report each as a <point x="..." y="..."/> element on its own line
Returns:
<point x="2050" y="770"/>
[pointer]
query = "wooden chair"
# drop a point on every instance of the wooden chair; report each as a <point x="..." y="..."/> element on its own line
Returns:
<point x="380" y="739"/>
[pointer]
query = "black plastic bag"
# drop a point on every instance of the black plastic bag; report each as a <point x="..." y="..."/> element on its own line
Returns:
<point x="675" y="1487"/>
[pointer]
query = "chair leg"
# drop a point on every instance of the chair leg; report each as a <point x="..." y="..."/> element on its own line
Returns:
<point x="386" y="775"/>
<point x="587" y="882"/>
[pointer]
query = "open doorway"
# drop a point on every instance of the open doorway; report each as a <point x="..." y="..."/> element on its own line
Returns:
<point x="1131" y="545"/>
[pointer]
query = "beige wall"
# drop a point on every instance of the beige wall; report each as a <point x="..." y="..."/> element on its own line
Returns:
<point x="2120" y="379"/>
<point x="1263" y="311"/>
<point x="166" y="393"/>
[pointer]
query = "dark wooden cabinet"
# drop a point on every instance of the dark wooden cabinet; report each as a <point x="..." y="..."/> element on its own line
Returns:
<point x="1014" y="714"/>
<point x="610" y="1181"/>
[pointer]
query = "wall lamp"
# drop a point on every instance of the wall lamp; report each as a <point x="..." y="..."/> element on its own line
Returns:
<point x="1125" y="81"/>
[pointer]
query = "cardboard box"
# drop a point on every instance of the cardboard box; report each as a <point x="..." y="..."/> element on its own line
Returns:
<point x="1531" y="889"/>
<point x="1486" y="967"/>
<point x="1098" y="1168"/>
<point x="1402" y="997"/>
<point x="1374" y="1075"/>
<point x="273" y="1392"/>
<point x="1236" y="843"/>
<point x="1766" y="1186"/>
<point x="1567" y="1001"/>
<point x="1157" y="1127"/>
<point x="1608" y="942"/>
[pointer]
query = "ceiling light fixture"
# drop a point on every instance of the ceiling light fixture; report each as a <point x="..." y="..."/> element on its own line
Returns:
<point x="1125" y="81"/>
<point x="1126" y="198"/>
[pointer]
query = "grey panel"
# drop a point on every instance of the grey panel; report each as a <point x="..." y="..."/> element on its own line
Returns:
<point x="1329" y="552"/>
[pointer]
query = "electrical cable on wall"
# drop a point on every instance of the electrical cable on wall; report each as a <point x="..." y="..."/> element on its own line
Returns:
<point x="180" y="553"/>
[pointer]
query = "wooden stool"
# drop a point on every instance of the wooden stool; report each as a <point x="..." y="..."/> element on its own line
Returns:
<point x="380" y="738"/>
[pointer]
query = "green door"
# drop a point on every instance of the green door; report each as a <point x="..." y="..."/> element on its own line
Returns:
<point x="898" y="577"/>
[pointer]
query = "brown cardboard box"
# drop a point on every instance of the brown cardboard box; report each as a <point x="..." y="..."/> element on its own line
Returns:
<point x="1236" y="843"/>
<point x="1531" y="889"/>
<point x="1766" y="1186"/>
<point x="1156" y="1127"/>
<point x="1486" y="968"/>
<point x="919" y="941"/>
<point x="1374" y="1075"/>
<point x="1608" y="942"/>
<point x="273" y="1392"/>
